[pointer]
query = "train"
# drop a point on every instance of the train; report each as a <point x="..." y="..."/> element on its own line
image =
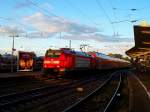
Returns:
<point x="6" y="63"/>
<point x="64" y="60"/>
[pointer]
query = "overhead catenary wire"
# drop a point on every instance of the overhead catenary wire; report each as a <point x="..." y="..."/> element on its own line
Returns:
<point x="46" y="12"/>
<point x="23" y="33"/>
<point x="50" y="14"/>
<point x="106" y="15"/>
<point x="78" y="10"/>
<point x="114" y="14"/>
<point x="113" y="8"/>
<point x="131" y="21"/>
<point x="11" y="19"/>
<point x="130" y="9"/>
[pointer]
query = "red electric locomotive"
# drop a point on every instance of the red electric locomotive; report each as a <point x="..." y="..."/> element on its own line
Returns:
<point x="65" y="59"/>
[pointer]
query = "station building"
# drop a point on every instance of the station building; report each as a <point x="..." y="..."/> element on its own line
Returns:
<point x="140" y="53"/>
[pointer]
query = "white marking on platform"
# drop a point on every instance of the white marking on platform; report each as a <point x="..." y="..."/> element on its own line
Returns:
<point x="148" y="93"/>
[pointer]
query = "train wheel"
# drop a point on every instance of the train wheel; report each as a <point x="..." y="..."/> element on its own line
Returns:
<point x="61" y="73"/>
<point x="45" y="72"/>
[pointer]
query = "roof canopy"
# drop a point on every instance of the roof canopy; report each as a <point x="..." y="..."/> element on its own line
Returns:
<point x="142" y="42"/>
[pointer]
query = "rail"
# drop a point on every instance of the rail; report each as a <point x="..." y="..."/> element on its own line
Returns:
<point x="84" y="99"/>
<point x="23" y="97"/>
<point x="114" y="95"/>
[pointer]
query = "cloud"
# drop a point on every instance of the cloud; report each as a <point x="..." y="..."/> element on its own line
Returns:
<point x="96" y="37"/>
<point x="51" y="24"/>
<point x="119" y="48"/>
<point x="6" y="18"/>
<point x="23" y="4"/>
<point x="46" y="6"/>
<point x="10" y="30"/>
<point x="39" y="35"/>
<point x="29" y="3"/>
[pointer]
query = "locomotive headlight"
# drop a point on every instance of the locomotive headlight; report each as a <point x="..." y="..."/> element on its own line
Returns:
<point x="51" y="62"/>
<point x="47" y="62"/>
<point x="56" y="62"/>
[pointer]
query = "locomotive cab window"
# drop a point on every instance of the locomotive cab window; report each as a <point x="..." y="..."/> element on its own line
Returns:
<point x="53" y="54"/>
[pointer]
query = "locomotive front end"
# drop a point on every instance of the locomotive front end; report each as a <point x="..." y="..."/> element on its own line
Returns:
<point x="53" y="61"/>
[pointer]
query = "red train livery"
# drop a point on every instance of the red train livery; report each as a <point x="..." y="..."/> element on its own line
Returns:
<point x="65" y="59"/>
<point x="103" y="61"/>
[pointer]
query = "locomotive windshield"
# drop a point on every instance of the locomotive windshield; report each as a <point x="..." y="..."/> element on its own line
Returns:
<point x="53" y="53"/>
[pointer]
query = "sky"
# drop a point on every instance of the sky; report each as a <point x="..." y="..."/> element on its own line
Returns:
<point x="103" y="25"/>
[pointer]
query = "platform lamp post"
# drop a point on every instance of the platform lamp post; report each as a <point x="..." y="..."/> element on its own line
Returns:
<point x="12" y="51"/>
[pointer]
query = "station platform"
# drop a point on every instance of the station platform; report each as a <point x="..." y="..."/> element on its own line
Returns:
<point x="20" y="74"/>
<point x="139" y="89"/>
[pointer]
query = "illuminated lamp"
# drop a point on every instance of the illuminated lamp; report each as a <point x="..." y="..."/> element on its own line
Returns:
<point x="144" y="23"/>
<point x="56" y="62"/>
<point x="61" y="69"/>
<point x="47" y="62"/>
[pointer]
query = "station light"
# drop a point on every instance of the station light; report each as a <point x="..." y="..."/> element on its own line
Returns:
<point x="144" y="23"/>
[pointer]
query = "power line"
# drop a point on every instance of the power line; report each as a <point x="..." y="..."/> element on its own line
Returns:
<point x="15" y="20"/>
<point x="113" y="12"/>
<point x="101" y="7"/>
<point x="49" y="14"/>
<point x="130" y="9"/>
<point x="132" y="21"/>
<point x="23" y="34"/>
<point x="112" y="6"/>
<point x="11" y="19"/>
<point x="81" y="12"/>
<point x="43" y="9"/>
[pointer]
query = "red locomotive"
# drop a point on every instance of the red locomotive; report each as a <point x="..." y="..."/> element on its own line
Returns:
<point x="65" y="59"/>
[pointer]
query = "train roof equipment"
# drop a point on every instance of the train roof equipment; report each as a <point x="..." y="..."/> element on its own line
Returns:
<point x="70" y="51"/>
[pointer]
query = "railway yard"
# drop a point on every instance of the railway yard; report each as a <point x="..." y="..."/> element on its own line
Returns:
<point x="65" y="80"/>
<point x="74" y="56"/>
<point x="116" y="91"/>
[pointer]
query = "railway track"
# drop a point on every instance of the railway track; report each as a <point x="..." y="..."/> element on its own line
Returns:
<point x="101" y="99"/>
<point x="15" y="101"/>
<point x="16" y="85"/>
<point x="13" y="85"/>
